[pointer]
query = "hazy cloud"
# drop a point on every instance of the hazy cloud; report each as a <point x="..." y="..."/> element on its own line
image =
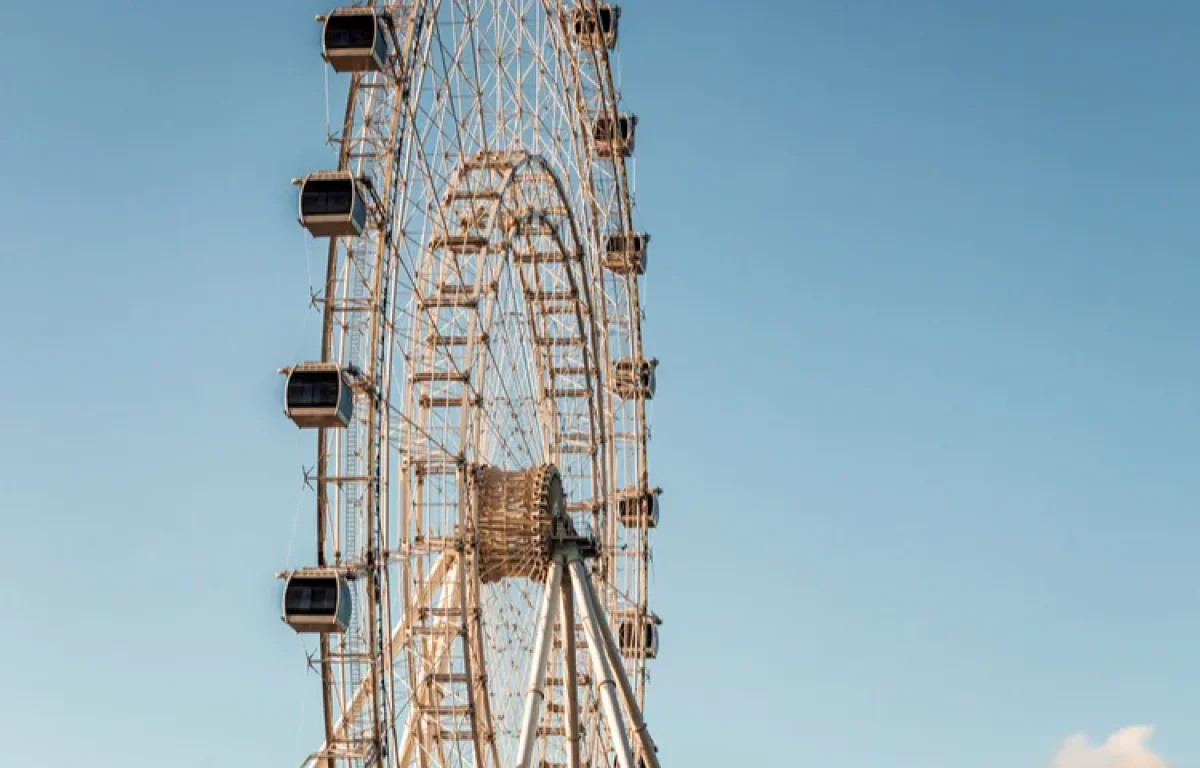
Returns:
<point x="1127" y="748"/>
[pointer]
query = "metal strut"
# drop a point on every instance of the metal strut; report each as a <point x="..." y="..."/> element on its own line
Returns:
<point x="607" y="668"/>
<point x="570" y="675"/>
<point x="601" y="668"/>
<point x="537" y="674"/>
<point x="648" y="750"/>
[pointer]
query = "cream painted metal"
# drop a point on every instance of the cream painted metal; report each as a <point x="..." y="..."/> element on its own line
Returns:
<point x="611" y="679"/>
<point x="482" y="424"/>
<point x="602" y="664"/>
<point x="537" y="672"/>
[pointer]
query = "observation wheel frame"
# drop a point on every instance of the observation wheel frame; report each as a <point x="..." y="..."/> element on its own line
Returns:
<point x="490" y="335"/>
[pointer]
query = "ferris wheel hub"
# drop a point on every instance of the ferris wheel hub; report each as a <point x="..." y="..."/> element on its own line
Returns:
<point x="519" y="517"/>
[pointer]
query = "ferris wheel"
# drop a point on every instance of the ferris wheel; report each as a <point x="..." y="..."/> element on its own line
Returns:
<point x="483" y="504"/>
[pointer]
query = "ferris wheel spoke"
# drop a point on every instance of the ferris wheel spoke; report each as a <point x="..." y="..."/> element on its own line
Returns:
<point x="512" y="383"/>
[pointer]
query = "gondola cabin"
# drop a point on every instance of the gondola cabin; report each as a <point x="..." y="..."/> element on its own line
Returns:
<point x="625" y="252"/>
<point x="614" y="138"/>
<point x="594" y="27"/>
<point x="638" y="638"/>
<point x="355" y="40"/>
<point x="333" y="204"/>
<point x="638" y="509"/>
<point x="317" y="600"/>
<point x="635" y="378"/>
<point x="318" y="396"/>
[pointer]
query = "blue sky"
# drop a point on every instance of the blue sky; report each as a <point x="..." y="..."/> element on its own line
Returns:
<point x="923" y="287"/>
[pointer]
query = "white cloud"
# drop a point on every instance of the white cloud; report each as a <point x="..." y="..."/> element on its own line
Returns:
<point x="1127" y="748"/>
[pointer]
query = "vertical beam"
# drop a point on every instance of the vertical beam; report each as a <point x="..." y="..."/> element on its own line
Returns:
<point x="600" y="664"/>
<point x="649" y="753"/>
<point x="570" y="676"/>
<point x="537" y="674"/>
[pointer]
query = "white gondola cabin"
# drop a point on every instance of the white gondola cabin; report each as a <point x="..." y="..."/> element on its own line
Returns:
<point x="317" y="600"/>
<point x="614" y="138"/>
<point x="635" y="378"/>
<point x="638" y="508"/>
<point x="594" y="27"/>
<point x="625" y="252"/>
<point x="355" y="40"/>
<point x="638" y="638"/>
<point x="333" y="204"/>
<point x="318" y="395"/>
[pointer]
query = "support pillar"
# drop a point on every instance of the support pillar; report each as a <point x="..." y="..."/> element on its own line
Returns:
<point x="537" y="674"/>
<point x="601" y="667"/>
<point x="570" y="676"/>
<point x="627" y="696"/>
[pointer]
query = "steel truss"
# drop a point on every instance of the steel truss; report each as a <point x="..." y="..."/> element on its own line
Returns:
<point x="568" y="584"/>
<point x="478" y="501"/>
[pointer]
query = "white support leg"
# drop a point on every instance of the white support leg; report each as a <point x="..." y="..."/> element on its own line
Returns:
<point x="649" y="753"/>
<point x="601" y="667"/>
<point x="570" y="676"/>
<point x="537" y="674"/>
